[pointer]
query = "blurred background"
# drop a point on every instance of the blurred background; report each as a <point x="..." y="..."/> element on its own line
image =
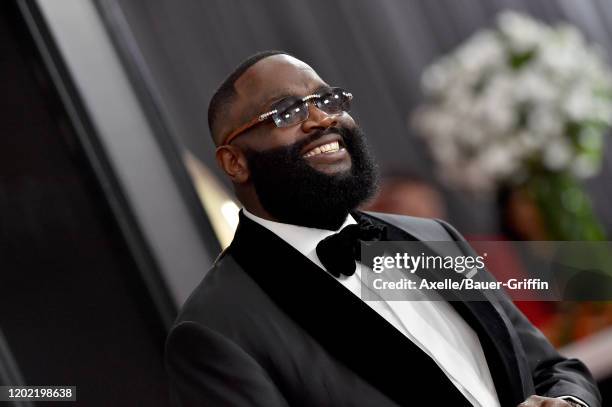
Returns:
<point x="491" y="114"/>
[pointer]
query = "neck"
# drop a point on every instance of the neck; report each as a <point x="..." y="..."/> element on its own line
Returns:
<point x="333" y="227"/>
<point x="251" y="203"/>
<point x="260" y="212"/>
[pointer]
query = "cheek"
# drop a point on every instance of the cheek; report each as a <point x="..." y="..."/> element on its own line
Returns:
<point x="286" y="136"/>
<point x="269" y="138"/>
<point x="347" y="120"/>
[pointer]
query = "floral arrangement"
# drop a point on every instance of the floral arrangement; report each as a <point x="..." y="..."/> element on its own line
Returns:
<point x="518" y="99"/>
<point x="525" y="106"/>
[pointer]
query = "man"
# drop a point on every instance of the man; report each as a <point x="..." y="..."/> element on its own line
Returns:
<point x="278" y="320"/>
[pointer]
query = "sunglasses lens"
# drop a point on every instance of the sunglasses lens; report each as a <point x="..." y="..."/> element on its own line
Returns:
<point x="293" y="114"/>
<point x="336" y="101"/>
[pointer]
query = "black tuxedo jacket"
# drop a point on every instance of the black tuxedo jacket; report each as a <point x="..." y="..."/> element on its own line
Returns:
<point x="267" y="327"/>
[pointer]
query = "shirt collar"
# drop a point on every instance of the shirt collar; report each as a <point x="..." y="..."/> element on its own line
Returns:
<point x="302" y="238"/>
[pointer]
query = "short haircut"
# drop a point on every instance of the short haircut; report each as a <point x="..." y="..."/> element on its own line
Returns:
<point x="225" y="94"/>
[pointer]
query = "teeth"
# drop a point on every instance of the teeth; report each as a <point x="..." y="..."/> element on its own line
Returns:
<point x="325" y="148"/>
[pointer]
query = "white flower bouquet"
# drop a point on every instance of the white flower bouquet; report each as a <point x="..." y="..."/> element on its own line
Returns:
<point x="519" y="99"/>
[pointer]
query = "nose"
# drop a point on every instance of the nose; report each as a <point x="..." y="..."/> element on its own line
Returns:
<point x="318" y="119"/>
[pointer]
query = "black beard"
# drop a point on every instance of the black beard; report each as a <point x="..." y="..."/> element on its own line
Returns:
<point x="293" y="192"/>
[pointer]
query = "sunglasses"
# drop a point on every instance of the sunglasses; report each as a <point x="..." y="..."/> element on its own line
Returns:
<point x="293" y="110"/>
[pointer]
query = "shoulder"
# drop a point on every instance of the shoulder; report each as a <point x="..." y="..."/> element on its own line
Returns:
<point x="228" y="311"/>
<point x="426" y="229"/>
<point x="226" y="295"/>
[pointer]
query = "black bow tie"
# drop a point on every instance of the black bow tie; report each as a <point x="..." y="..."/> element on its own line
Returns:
<point x="339" y="251"/>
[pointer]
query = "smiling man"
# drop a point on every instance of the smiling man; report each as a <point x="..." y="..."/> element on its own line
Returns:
<point x="279" y="320"/>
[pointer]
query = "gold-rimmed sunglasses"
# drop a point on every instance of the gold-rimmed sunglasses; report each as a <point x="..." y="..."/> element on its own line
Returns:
<point x="293" y="110"/>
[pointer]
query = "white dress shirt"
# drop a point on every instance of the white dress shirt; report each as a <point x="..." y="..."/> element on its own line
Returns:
<point x="434" y="326"/>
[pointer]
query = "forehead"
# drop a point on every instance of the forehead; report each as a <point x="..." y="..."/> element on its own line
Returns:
<point x="275" y="77"/>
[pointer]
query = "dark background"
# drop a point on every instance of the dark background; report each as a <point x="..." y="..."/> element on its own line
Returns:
<point x="73" y="308"/>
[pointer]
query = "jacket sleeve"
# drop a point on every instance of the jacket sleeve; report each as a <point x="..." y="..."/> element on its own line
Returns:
<point x="553" y="375"/>
<point x="207" y="369"/>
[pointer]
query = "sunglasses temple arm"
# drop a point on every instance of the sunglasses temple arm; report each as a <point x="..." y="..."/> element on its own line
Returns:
<point x="228" y="139"/>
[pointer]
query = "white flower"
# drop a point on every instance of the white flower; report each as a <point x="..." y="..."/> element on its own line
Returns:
<point x="482" y="51"/>
<point x="543" y="122"/>
<point x="435" y="79"/>
<point x="557" y="154"/>
<point x="564" y="53"/>
<point x="523" y="33"/>
<point x="498" y="161"/>
<point x="488" y="118"/>
<point x="534" y="86"/>
<point x="578" y="102"/>
<point x="529" y="142"/>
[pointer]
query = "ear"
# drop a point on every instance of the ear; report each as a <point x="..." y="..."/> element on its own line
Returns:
<point x="233" y="162"/>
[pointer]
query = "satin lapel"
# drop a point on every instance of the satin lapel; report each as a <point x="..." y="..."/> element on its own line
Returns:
<point x="342" y="324"/>
<point x="486" y="317"/>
